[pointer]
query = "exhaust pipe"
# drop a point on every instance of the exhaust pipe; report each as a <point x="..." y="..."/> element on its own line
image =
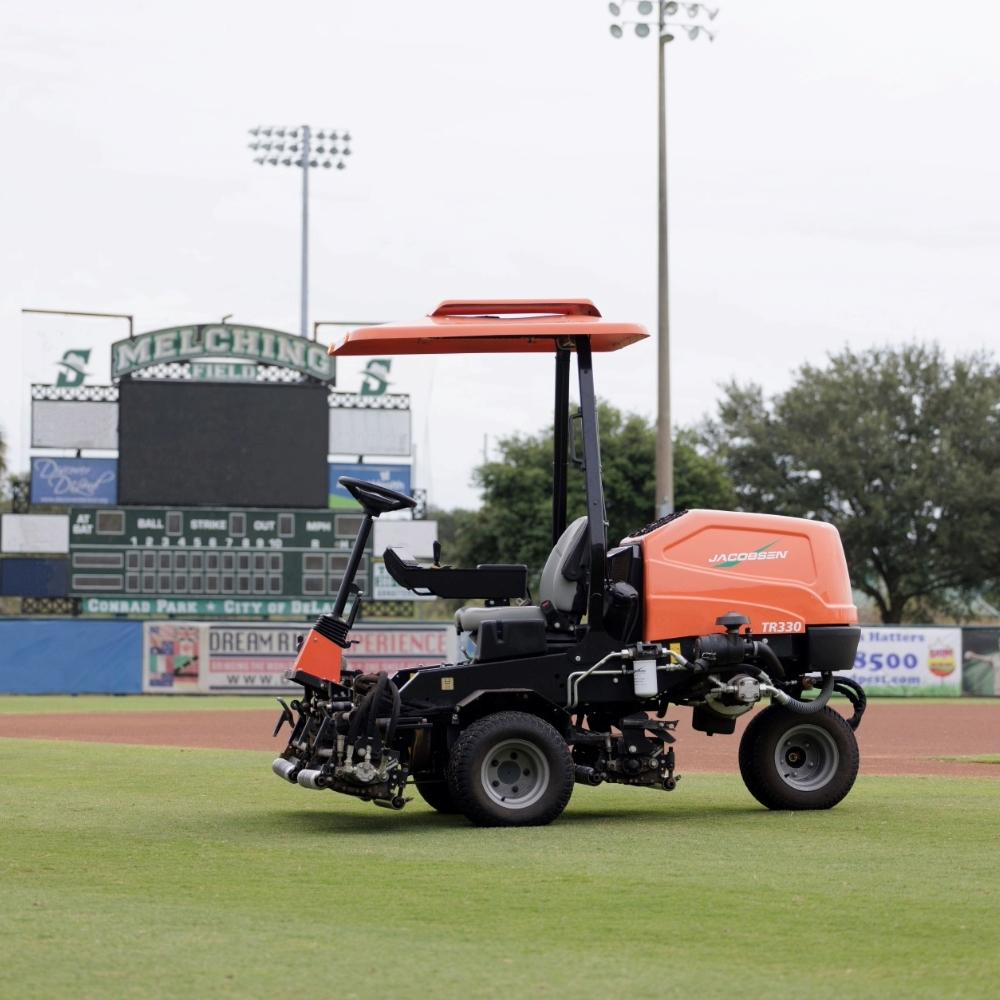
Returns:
<point x="285" y="769"/>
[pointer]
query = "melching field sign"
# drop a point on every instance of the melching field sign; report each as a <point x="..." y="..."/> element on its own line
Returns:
<point x="210" y="561"/>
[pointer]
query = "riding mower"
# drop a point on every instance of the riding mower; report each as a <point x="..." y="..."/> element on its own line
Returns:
<point x="711" y="610"/>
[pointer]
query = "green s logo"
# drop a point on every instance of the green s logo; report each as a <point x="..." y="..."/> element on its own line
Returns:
<point x="73" y="369"/>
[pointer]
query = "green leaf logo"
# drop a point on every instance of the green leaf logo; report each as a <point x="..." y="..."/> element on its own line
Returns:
<point x="730" y="563"/>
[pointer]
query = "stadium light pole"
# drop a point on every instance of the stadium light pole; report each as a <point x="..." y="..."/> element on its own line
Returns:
<point x="655" y="18"/>
<point x="292" y="146"/>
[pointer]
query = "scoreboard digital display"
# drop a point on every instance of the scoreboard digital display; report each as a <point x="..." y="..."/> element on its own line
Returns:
<point x="207" y="561"/>
<point x="185" y="443"/>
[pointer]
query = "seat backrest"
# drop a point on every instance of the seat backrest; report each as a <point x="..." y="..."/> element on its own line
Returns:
<point x="565" y="567"/>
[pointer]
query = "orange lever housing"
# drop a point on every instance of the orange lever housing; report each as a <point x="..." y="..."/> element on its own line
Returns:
<point x="320" y="657"/>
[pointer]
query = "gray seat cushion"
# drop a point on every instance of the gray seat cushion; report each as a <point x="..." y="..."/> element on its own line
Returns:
<point x="469" y="619"/>
<point x="555" y="586"/>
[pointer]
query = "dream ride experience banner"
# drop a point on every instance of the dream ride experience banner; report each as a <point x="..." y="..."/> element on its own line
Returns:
<point x="251" y="657"/>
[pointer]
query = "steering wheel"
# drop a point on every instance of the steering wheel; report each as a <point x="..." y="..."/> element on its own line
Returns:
<point x="374" y="498"/>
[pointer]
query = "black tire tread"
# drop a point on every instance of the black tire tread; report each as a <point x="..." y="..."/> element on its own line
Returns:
<point x="463" y="773"/>
<point x="757" y="763"/>
<point x="438" y="796"/>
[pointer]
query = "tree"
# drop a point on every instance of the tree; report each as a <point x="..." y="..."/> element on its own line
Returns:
<point x="515" y="521"/>
<point x="899" y="449"/>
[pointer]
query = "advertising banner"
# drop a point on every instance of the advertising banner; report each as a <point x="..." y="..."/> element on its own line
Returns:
<point x="172" y="655"/>
<point x="68" y="481"/>
<point x="981" y="661"/>
<point x="74" y="423"/>
<point x="909" y="660"/>
<point x="392" y="477"/>
<point x="34" y="534"/>
<point x="252" y="657"/>
<point x="369" y="431"/>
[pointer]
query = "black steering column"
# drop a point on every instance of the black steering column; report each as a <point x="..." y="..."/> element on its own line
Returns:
<point x="375" y="500"/>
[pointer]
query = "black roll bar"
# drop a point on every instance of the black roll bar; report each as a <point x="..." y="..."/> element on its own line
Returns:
<point x="560" y="442"/>
<point x="596" y="519"/>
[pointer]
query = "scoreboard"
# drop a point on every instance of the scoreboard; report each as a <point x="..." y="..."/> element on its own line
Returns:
<point x="208" y="561"/>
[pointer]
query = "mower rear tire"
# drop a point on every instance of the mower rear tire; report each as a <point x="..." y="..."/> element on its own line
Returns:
<point x="510" y="769"/>
<point x="437" y="795"/>
<point x="793" y="761"/>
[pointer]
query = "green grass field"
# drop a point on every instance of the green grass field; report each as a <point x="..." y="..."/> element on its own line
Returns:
<point x="134" y="872"/>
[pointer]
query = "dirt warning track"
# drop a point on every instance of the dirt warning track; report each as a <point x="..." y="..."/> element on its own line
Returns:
<point x="895" y="738"/>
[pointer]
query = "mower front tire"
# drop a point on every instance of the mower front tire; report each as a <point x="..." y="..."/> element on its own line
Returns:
<point x="793" y="761"/>
<point x="510" y="769"/>
<point x="437" y="795"/>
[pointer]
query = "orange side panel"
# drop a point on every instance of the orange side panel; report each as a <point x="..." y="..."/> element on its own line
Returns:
<point x="784" y="573"/>
<point x="320" y="657"/>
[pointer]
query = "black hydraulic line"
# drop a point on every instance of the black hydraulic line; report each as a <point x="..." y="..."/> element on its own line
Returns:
<point x="596" y="518"/>
<point x="359" y="717"/>
<point x="560" y="454"/>
<point x="777" y="671"/>
<point x="397" y="704"/>
<point x="855" y="694"/>
<point x="807" y="707"/>
<point x="379" y="692"/>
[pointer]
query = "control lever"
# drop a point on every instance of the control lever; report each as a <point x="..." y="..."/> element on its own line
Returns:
<point x="437" y="554"/>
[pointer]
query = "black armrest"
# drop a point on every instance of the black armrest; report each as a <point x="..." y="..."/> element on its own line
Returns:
<point x="489" y="582"/>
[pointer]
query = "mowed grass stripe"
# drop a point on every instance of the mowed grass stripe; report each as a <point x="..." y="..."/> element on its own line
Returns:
<point x="168" y="872"/>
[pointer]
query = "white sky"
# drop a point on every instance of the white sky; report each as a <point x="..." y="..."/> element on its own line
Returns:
<point x="834" y="179"/>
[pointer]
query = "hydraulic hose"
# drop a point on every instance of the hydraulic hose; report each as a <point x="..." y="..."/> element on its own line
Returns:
<point x="381" y="692"/>
<point x="359" y="717"/>
<point x="855" y="694"/>
<point x="804" y="707"/>
<point x="777" y="671"/>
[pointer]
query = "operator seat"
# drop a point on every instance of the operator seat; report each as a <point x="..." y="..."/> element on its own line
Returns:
<point x="563" y="591"/>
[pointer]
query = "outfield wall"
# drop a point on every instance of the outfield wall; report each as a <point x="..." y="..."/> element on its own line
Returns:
<point x="74" y="656"/>
<point x="67" y="656"/>
<point x="80" y="656"/>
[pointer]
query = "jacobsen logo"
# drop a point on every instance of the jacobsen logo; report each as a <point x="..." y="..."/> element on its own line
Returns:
<point x="727" y="560"/>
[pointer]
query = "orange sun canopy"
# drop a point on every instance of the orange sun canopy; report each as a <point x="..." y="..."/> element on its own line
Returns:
<point x="506" y="326"/>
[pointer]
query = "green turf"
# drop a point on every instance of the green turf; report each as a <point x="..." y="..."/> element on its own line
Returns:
<point x="167" y="872"/>
<point x="945" y="692"/>
<point x="28" y="704"/>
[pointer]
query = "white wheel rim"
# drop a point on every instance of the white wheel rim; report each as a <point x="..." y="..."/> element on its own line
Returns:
<point x="806" y="757"/>
<point x="515" y="774"/>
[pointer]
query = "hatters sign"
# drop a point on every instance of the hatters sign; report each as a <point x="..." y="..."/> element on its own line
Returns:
<point x="184" y="343"/>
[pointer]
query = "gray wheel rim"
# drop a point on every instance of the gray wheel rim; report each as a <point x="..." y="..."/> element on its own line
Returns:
<point x="515" y="774"/>
<point x="806" y="757"/>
